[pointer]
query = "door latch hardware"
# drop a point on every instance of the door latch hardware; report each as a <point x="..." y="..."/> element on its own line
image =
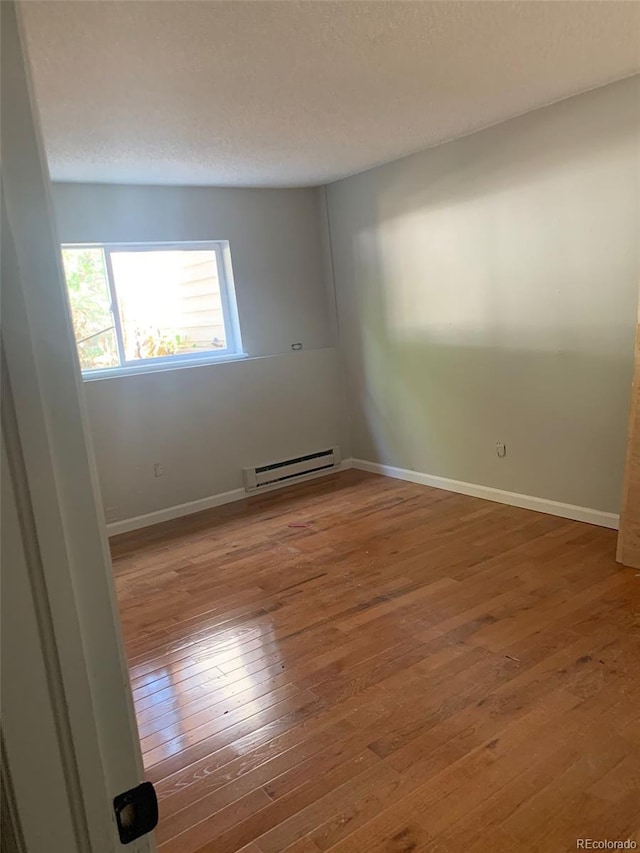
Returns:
<point x="136" y="812"/>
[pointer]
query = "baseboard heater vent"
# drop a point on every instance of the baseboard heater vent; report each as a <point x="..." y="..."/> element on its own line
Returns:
<point x="290" y="469"/>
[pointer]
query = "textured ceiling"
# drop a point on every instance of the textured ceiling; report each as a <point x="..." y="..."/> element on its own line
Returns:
<point x="294" y="93"/>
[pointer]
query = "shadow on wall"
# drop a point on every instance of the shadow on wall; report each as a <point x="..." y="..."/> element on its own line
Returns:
<point x="488" y="292"/>
<point x="441" y="409"/>
<point x="543" y="147"/>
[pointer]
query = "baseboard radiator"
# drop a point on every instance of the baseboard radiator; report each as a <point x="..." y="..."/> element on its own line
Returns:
<point x="290" y="470"/>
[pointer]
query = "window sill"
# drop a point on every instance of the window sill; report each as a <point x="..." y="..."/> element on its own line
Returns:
<point x="163" y="367"/>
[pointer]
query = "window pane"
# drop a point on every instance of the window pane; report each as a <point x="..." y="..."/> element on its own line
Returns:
<point x="99" y="351"/>
<point x="169" y="302"/>
<point x="90" y="302"/>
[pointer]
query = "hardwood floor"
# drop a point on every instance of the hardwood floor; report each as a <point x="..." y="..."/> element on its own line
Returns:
<point x="359" y="664"/>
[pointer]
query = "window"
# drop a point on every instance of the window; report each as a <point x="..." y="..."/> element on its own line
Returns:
<point x="136" y="307"/>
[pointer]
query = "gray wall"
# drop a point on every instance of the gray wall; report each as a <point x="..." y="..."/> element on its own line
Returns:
<point x="276" y="252"/>
<point x="487" y="292"/>
<point x="203" y="424"/>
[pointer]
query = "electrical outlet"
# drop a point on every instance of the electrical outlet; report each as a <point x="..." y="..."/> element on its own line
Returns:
<point x="501" y="449"/>
<point x="158" y="470"/>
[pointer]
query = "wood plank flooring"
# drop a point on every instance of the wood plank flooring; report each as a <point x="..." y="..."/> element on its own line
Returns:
<point x="359" y="664"/>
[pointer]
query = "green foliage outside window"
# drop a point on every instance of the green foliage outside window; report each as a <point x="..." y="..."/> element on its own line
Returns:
<point x="90" y="307"/>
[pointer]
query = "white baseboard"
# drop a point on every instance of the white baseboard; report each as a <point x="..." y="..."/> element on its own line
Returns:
<point x="170" y="512"/>
<point x="576" y="513"/>
<point x="160" y="515"/>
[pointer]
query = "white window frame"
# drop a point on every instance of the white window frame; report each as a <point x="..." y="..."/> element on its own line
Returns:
<point x="233" y="349"/>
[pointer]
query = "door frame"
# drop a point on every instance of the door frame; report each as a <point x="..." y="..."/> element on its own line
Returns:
<point x="54" y="480"/>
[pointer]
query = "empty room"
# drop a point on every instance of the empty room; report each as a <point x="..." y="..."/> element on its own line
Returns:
<point x="321" y="426"/>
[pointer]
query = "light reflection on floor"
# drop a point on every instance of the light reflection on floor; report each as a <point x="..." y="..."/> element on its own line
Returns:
<point x="221" y="667"/>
